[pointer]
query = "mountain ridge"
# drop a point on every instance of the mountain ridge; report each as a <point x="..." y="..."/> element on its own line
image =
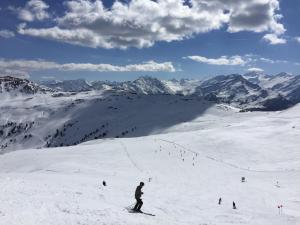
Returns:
<point x="49" y="117"/>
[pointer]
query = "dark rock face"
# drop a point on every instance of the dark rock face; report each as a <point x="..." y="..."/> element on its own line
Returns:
<point x="276" y="104"/>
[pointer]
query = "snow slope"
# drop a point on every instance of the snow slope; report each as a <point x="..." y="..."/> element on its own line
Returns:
<point x="189" y="167"/>
<point x="41" y="120"/>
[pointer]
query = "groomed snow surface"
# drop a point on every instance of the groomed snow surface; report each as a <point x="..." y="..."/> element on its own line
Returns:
<point x="185" y="169"/>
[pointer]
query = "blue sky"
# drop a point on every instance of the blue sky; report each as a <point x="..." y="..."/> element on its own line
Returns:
<point x="108" y="40"/>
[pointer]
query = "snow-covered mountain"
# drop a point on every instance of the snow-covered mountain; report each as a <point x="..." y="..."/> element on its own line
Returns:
<point x="236" y="90"/>
<point x="268" y="81"/>
<point x="67" y="85"/>
<point x="143" y="85"/>
<point x="71" y="114"/>
<point x="254" y="90"/>
<point x="290" y="89"/>
<point x="278" y="79"/>
<point x="257" y="77"/>
<point x="146" y="85"/>
<point x="104" y="85"/>
<point x="182" y="86"/>
<point x="47" y="121"/>
<point x="232" y="88"/>
<point x="15" y="86"/>
<point x="284" y="84"/>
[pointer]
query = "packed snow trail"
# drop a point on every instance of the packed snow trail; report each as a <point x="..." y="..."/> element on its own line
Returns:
<point x="64" y="185"/>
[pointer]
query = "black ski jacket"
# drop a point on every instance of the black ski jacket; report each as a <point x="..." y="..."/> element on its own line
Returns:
<point x="138" y="192"/>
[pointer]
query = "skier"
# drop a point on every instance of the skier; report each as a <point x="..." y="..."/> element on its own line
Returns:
<point x="220" y="201"/>
<point x="138" y="195"/>
<point x="233" y="205"/>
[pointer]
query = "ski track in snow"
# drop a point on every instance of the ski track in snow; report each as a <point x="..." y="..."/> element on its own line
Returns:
<point x="226" y="163"/>
<point x="129" y="157"/>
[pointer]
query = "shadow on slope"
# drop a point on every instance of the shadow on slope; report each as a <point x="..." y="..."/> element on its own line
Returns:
<point x="127" y="115"/>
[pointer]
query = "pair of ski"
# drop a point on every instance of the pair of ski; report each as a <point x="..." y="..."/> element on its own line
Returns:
<point x="141" y="212"/>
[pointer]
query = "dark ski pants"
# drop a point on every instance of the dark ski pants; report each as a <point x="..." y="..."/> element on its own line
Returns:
<point x="138" y="204"/>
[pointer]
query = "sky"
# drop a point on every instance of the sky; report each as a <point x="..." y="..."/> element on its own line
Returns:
<point x="122" y="40"/>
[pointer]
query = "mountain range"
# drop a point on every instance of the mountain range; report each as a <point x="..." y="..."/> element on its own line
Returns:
<point x="63" y="113"/>
<point x="251" y="91"/>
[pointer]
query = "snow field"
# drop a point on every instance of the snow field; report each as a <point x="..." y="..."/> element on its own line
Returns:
<point x="190" y="167"/>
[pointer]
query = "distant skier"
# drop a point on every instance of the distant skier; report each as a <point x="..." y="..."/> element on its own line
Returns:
<point x="220" y="201"/>
<point x="233" y="205"/>
<point x="138" y="195"/>
<point x="104" y="183"/>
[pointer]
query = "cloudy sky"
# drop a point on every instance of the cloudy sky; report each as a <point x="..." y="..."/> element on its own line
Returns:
<point x="121" y="40"/>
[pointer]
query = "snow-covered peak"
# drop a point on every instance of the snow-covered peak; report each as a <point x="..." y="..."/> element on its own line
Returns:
<point x="253" y="74"/>
<point x="227" y="81"/>
<point x="15" y="86"/>
<point x="267" y="81"/>
<point x="182" y="86"/>
<point x="146" y="85"/>
<point x="257" y="77"/>
<point x="290" y="88"/>
<point x="278" y="79"/>
<point x="234" y="89"/>
<point x="104" y="85"/>
<point x="68" y="85"/>
<point x="284" y="74"/>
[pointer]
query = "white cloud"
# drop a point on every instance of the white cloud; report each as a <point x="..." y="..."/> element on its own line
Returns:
<point x="33" y="10"/>
<point x="6" y="34"/>
<point x="297" y="39"/>
<point x="272" y="61"/>
<point x="255" y="15"/>
<point x="273" y="39"/>
<point x="39" y="65"/>
<point x="266" y="60"/>
<point x="150" y="66"/>
<point x="248" y="59"/>
<point x="141" y="23"/>
<point x="223" y="60"/>
<point x="255" y="69"/>
<point x="13" y="73"/>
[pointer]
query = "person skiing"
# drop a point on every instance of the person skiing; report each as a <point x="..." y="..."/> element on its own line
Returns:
<point x="138" y="195"/>
<point x="233" y="205"/>
<point x="220" y="201"/>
